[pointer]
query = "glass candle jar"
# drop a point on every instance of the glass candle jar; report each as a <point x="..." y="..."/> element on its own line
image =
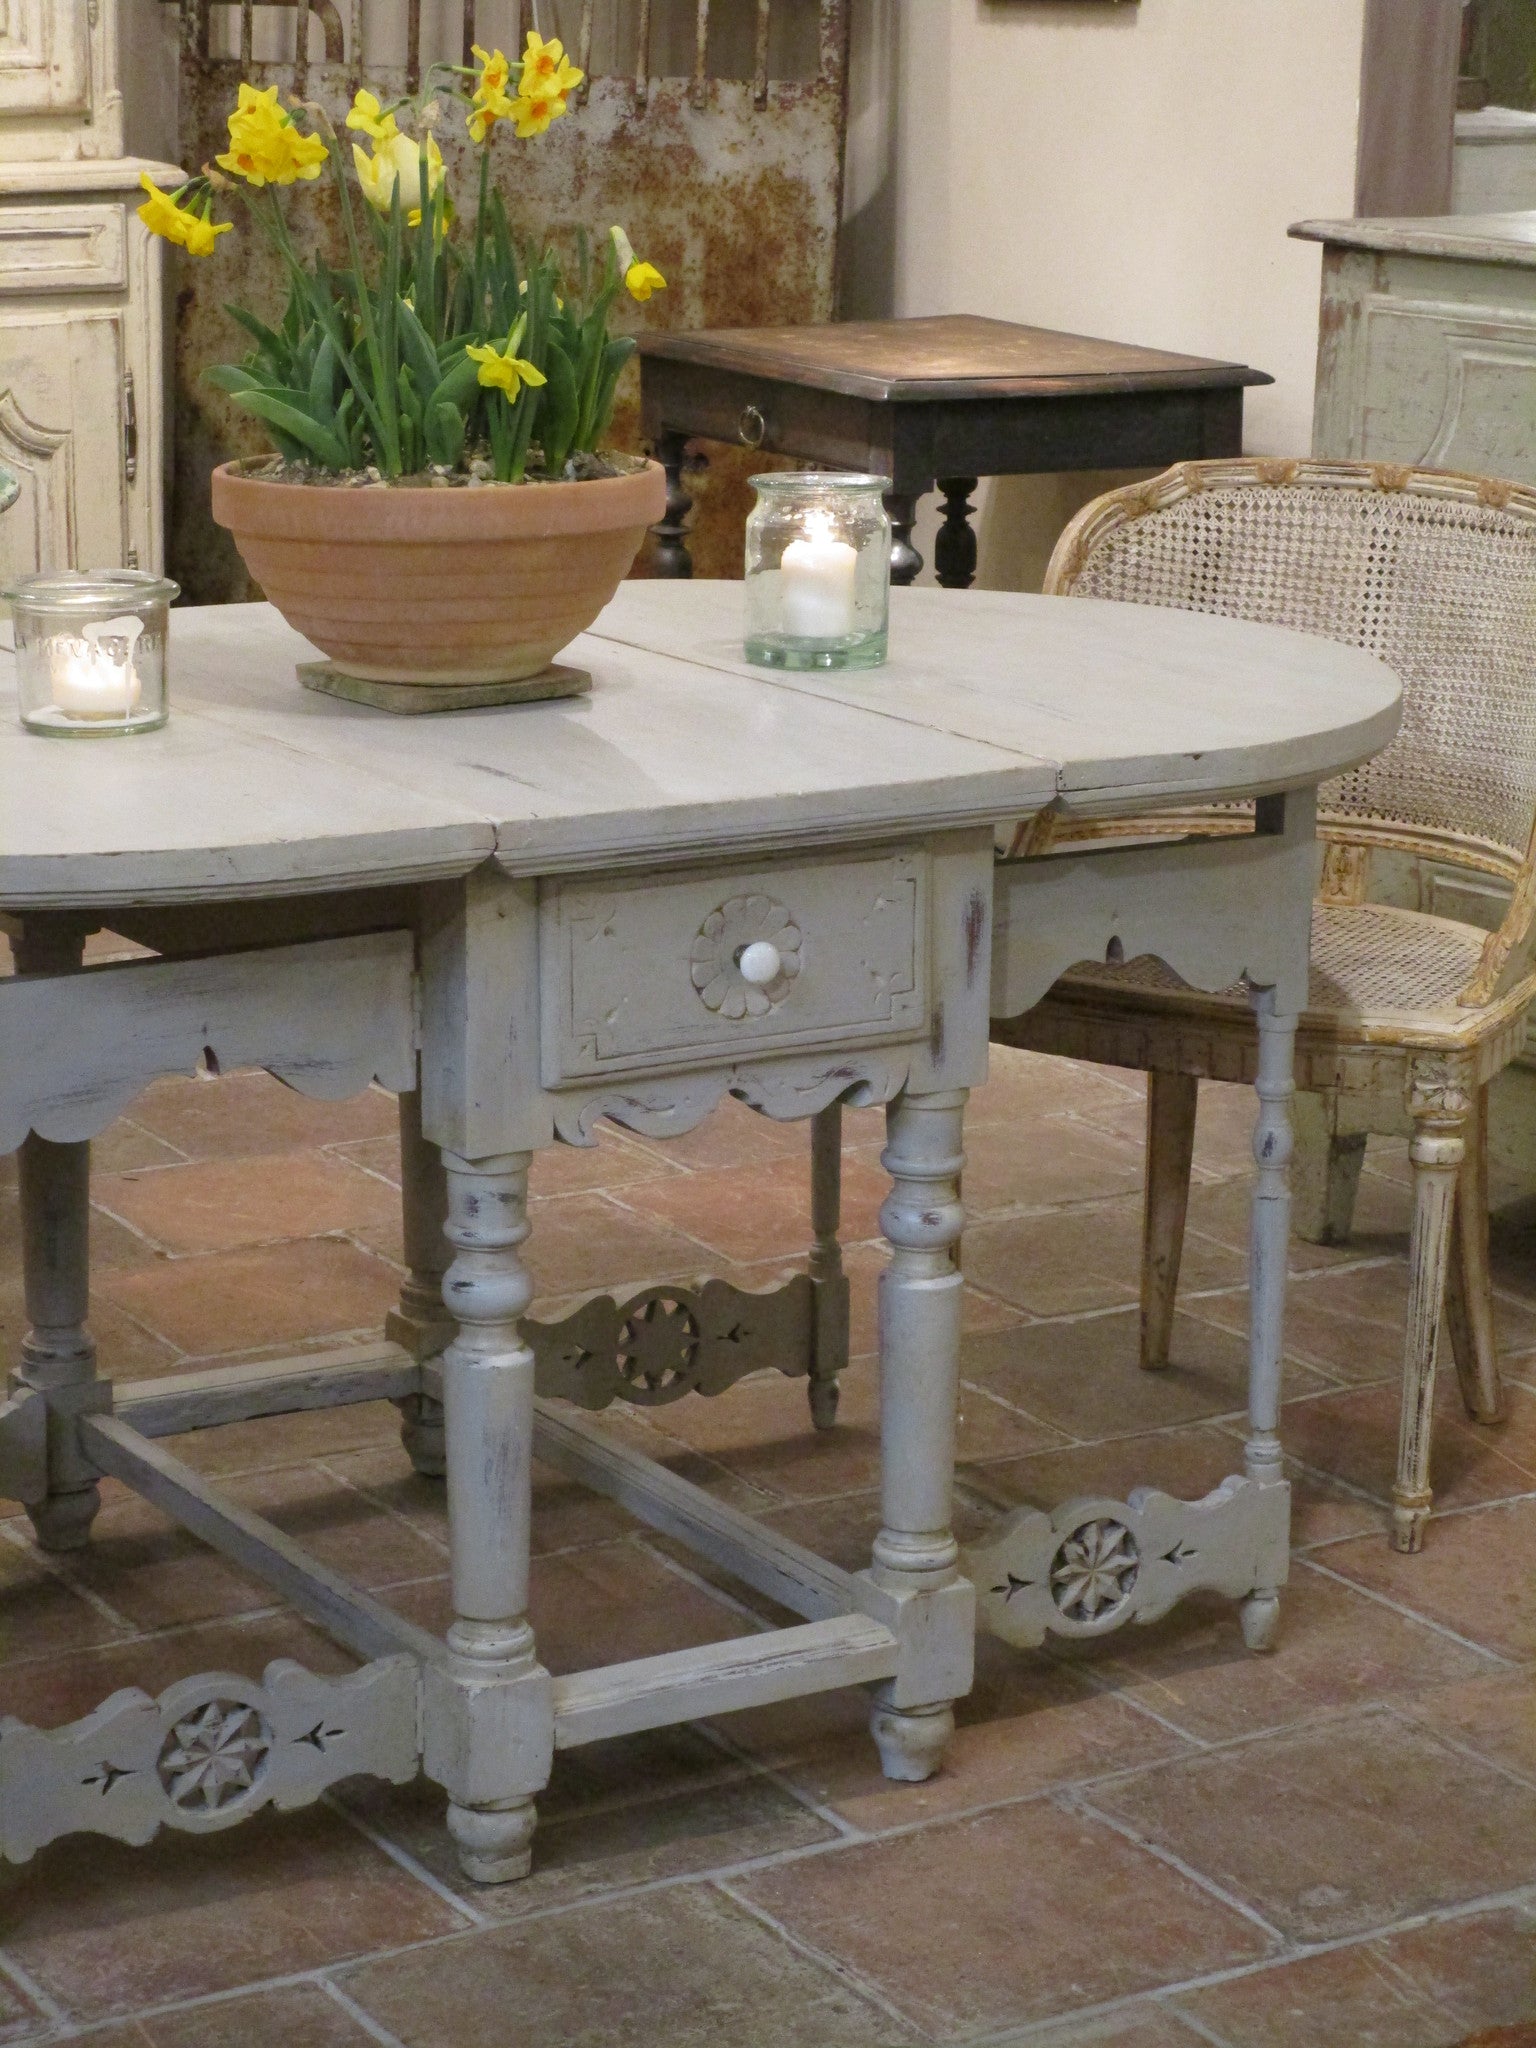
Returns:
<point x="90" y="651"/>
<point x="818" y="571"/>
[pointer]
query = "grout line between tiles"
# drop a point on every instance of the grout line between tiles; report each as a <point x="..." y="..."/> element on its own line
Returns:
<point x="57" y="2015"/>
<point x="56" y="1566"/>
<point x="712" y="1733"/>
<point x="854" y="1980"/>
<point x="356" y="2013"/>
<point x="405" y="1861"/>
<point x="1399" y="1711"/>
<point x="1080" y="1801"/>
<point x="1310" y="1563"/>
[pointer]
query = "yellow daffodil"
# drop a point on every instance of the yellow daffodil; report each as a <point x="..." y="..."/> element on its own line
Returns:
<point x="265" y="148"/>
<point x="398" y="160"/>
<point x="640" y="278"/>
<point x="495" y="71"/>
<point x="186" y="228"/>
<point x="369" y="117"/>
<point x="505" y="370"/>
<point x="547" y="71"/>
<point x="533" y="115"/>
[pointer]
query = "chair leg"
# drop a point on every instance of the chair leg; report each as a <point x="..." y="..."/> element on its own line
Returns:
<point x="1171" y="1100"/>
<point x="1469" y="1283"/>
<point x="1325" y="1172"/>
<point x="1436" y="1149"/>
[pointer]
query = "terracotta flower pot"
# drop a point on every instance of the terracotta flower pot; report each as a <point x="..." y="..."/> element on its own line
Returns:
<point x="423" y="584"/>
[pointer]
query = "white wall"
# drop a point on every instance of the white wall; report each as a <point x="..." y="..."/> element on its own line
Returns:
<point x="1124" y="170"/>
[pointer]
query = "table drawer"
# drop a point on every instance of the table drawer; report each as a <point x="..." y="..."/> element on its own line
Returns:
<point x="644" y="972"/>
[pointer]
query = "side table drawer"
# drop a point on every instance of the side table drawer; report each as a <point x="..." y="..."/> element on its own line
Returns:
<point x="643" y="973"/>
<point x="63" y="248"/>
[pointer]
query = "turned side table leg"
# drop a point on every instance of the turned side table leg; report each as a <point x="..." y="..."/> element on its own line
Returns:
<point x="671" y="557"/>
<point x="1269" y="1246"/>
<point x="489" y="1707"/>
<point x="915" y="1553"/>
<point x="906" y="562"/>
<point x="829" y="1335"/>
<point x="421" y="1324"/>
<point x="58" y="1353"/>
<point x="954" y="551"/>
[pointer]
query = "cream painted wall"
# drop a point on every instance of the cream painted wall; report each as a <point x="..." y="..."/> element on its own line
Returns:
<point x="1126" y="170"/>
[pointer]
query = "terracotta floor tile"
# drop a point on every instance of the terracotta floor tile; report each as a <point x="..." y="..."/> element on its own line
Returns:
<point x="1022" y="1085"/>
<point x="251" y="1113"/>
<point x="1188" y="1463"/>
<point x="1335" y="1649"/>
<point x="1348" y="1995"/>
<point x="239" y="1301"/>
<point x="1338" y="1828"/>
<point x="39" y="1610"/>
<point x="50" y="1690"/>
<point x="1354" y="1436"/>
<point x="1028" y="1724"/>
<point x="1081" y="1259"/>
<point x="155" y="1574"/>
<point x="340" y="1526"/>
<point x="219" y="1205"/>
<point x="1480" y="1967"/>
<point x="125" y="1146"/>
<point x="1512" y="1248"/>
<point x="123" y="1348"/>
<point x="761" y="1430"/>
<point x="1142" y="2025"/>
<point x="757" y="1211"/>
<point x="683" y="1968"/>
<point x="289" y="1439"/>
<point x="1083" y="1377"/>
<point x="730" y="1817"/>
<point x="615" y="1161"/>
<point x="1476" y="1574"/>
<point x="1380" y="1228"/>
<point x="295" y="2016"/>
<point x="1055" y="1159"/>
<point x="20" y="2020"/>
<point x="1495" y="1715"/>
<point x="1223" y="1127"/>
<point x="589" y="1241"/>
<point x="937" y="1918"/>
<point x="733" y="1135"/>
<point x="105" y="1929"/>
<point x="1421" y="1989"/>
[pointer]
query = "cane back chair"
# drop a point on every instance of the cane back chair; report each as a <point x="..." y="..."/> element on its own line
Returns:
<point x="1411" y="1014"/>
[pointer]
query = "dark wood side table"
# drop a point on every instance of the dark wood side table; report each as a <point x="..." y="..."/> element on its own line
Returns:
<point x="939" y="401"/>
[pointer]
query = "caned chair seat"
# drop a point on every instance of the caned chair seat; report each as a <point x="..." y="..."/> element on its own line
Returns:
<point x="1410" y="1015"/>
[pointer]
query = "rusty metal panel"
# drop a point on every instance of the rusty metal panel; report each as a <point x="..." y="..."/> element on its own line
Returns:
<point x="732" y="184"/>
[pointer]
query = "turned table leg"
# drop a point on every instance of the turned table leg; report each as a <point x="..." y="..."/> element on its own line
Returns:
<point x="906" y="562"/>
<point x="915" y="1553"/>
<point x="830" y="1331"/>
<point x="1269" y="1244"/>
<point x="421" y="1324"/>
<point x="489" y="1708"/>
<point x="671" y="557"/>
<point x="58" y="1353"/>
<point x="954" y="551"/>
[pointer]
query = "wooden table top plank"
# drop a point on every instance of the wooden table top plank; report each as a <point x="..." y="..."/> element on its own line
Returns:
<point x="1131" y="701"/>
<point x="1473" y="237"/>
<point x="945" y="356"/>
<point x="992" y="706"/>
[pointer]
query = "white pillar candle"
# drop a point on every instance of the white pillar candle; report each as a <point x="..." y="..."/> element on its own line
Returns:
<point x="817" y="571"/>
<point x="94" y="676"/>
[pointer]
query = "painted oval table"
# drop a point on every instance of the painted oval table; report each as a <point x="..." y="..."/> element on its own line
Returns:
<point x="702" y="878"/>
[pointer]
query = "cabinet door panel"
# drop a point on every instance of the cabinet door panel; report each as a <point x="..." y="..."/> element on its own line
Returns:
<point x="45" y="57"/>
<point x="61" y="385"/>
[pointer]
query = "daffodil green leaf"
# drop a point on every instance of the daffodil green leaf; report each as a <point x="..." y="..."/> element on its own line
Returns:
<point x="298" y="426"/>
<point x="562" y="406"/>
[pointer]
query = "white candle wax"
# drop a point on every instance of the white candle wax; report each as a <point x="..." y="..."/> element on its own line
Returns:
<point x="94" y="677"/>
<point x="817" y="571"/>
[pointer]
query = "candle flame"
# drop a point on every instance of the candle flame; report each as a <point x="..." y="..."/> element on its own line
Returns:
<point x="818" y="525"/>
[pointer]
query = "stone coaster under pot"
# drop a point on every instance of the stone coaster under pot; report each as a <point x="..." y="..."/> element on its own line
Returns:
<point x="414" y="698"/>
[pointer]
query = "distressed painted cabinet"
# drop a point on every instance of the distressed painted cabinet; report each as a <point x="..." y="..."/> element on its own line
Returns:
<point x="1427" y="342"/>
<point x="82" y="409"/>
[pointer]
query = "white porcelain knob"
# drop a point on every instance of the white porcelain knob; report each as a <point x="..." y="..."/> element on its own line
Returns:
<point x="760" y="963"/>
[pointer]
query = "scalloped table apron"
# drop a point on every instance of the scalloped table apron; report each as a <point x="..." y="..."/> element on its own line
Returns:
<point x="702" y="879"/>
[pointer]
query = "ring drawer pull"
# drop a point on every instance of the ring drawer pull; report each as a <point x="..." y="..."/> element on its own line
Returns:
<point x="751" y="427"/>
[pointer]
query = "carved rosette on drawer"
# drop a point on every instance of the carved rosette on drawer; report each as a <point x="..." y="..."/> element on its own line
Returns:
<point x="209" y="1752"/>
<point x="1093" y="1565"/>
<point x="720" y="951"/>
